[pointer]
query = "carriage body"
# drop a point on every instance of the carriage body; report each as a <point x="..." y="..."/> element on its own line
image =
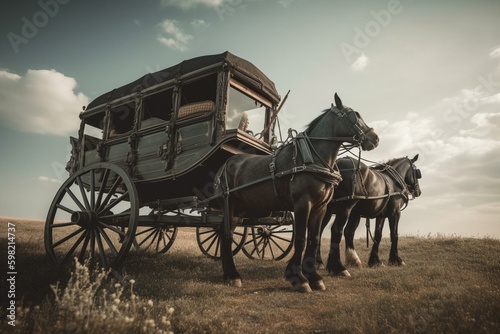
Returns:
<point x="171" y="130"/>
<point x="147" y="153"/>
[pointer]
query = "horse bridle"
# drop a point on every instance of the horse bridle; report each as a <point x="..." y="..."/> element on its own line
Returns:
<point x="359" y="135"/>
<point x="412" y="189"/>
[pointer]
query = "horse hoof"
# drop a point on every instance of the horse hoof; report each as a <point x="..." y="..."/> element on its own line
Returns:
<point x="343" y="273"/>
<point x="236" y="282"/>
<point x="303" y="288"/>
<point x="397" y="264"/>
<point x="318" y="286"/>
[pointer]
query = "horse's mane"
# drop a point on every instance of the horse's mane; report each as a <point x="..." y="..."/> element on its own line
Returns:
<point x="316" y="121"/>
<point x="392" y="161"/>
<point x="383" y="164"/>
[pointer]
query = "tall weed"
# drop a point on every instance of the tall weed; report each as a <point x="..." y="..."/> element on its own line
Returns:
<point x="94" y="302"/>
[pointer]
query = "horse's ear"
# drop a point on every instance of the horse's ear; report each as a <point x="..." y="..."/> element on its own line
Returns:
<point x="415" y="158"/>
<point x="338" y="102"/>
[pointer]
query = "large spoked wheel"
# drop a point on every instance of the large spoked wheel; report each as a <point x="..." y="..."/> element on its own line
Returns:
<point x="270" y="242"/>
<point x="93" y="216"/>
<point x="209" y="239"/>
<point x="155" y="239"/>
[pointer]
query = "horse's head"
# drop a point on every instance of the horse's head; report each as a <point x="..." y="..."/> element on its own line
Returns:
<point x="412" y="176"/>
<point x="409" y="172"/>
<point x="355" y="126"/>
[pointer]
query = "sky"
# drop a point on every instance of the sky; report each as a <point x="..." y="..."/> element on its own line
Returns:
<point x="424" y="74"/>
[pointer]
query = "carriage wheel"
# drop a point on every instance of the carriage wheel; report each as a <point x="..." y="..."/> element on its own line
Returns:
<point x="93" y="215"/>
<point x="156" y="239"/>
<point x="270" y="242"/>
<point x="209" y="239"/>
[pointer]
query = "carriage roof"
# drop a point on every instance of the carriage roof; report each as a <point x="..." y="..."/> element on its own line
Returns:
<point x="241" y="68"/>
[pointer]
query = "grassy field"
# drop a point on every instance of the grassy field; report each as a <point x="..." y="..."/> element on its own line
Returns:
<point x="449" y="285"/>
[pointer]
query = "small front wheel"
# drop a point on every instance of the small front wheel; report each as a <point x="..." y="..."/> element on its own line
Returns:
<point x="271" y="242"/>
<point x="209" y="239"/>
<point x="156" y="239"/>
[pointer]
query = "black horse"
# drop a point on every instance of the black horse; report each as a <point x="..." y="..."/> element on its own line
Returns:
<point x="299" y="177"/>
<point x="380" y="192"/>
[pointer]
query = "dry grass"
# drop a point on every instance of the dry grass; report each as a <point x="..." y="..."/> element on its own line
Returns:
<point x="449" y="285"/>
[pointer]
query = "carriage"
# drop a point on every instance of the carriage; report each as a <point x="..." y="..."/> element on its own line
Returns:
<point x="144" y="162"/>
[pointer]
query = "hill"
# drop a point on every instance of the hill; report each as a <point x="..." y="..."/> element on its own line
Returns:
<point x="449" y="285"/>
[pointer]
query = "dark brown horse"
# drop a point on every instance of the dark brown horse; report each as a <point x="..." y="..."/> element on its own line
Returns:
<point x="299" y="177"/>
<point x="380" y="192"/>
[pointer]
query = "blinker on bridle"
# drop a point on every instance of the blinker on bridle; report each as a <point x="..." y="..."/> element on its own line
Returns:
<point x="359" y="134"/>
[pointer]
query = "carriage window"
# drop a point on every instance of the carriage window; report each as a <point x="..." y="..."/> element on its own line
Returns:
<point x="92" y="131"/>
<point x="245" y="113"/>
<point x="157" y="108"/>
<point x="94" y="125"/>
<point x="200" y="90"/>
<point x="122" y="119"/>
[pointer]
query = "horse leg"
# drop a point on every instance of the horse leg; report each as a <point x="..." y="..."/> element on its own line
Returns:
<point x="334" y="264"/>
<point x="309" y="261"/>
<point x="374" y="258"/>
<point x="231" y="275"/>
<point x="394" y="258"/>
<point x="351" y="257"/>
<point x="325" y="221"/>
<point x="293" y="271"/>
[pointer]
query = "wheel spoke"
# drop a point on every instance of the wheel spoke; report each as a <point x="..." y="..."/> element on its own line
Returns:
<point x="215" y="239"/>
<point x="82" y="192"/>
<point x="111" y="192"/>
<point x="92" y="189"/>
<point x="63" y="224"/>
<point x="152" y="232"/>
<point x="114" y="229"/>
<point x="270" y="246"/>
<point x="281" y="238"/>
<point x="92" y="246"/>
<point x="108" y="240"/>
<point x="277" y="245"/>
<point x="66" y="238"/>
<point x="72" y="249"/>
<point x="212" y="236"/>
<point x="101" y="250"/>
<point x="76" y="200"/>
<point x="102" y="189"/>
<point x="114" y="203"/>
<point x="62" y="207"/>
<point x="81" y="256"/>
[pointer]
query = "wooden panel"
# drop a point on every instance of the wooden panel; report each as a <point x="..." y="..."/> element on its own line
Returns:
<point x="149" y="164"/>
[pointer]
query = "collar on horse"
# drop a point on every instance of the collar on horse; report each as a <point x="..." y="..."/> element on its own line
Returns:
<point x="302" y="145"/>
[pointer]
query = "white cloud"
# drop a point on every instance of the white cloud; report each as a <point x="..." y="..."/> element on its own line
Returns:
<point x="43" y="102"/>
<point x="360" y="63"/>
<point x="199" y="24"/>
<point x="46" y="179"/>
<point x="189" y="4"/>
<point x="495" y="53"/>
<point x="175" y="38"/>
<point x="285" y="3"/>
<point x="486" y="125"/>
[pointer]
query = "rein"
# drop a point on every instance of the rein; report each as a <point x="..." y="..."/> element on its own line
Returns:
<point x="301" y="142"/>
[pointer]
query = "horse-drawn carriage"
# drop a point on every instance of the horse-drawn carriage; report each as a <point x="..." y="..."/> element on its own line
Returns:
<point x="155" y="155"/>
<point x="145" y="159"/>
